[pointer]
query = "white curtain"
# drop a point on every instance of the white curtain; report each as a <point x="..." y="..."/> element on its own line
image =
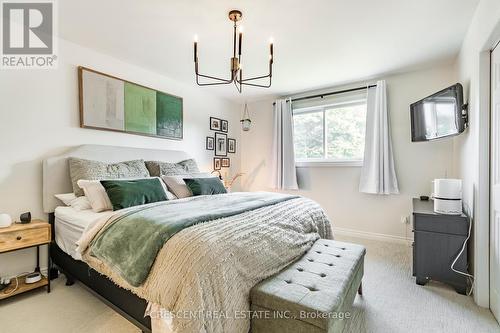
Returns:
<point x="378" y="175"/>
<point x="283" y="175"/>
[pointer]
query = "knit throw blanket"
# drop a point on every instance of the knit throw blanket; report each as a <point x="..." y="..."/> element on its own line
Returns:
<point x="203" y="274"/>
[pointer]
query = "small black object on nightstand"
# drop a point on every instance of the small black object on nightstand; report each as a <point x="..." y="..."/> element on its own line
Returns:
<point x="424" y="198"/>
<point x="25" y="217"/>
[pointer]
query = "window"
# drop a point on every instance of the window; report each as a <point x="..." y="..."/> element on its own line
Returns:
<point x="330" y="134"/>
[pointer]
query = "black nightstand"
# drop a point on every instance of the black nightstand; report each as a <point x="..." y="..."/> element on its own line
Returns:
<point x="438" y="239"/>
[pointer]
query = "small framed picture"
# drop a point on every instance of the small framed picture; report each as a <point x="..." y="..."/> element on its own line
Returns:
<point x="217" y="163"/>
<point x="220" y="144"/>
<point x="231" y="146"/>
<point x="210" y="143"/>
<point x="226" y="162"/>
<point x="215" y="124"/>
<point x="224" y="126"/>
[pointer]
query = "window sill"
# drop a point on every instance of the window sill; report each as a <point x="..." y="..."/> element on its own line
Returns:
<point x="327" y="164"/>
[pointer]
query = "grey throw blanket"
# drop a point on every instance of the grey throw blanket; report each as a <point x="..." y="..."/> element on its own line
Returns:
<point x="211" y="267"/>
<point x="131" y="242"/>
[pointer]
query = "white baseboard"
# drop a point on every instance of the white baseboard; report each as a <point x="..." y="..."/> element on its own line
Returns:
<point x="372" y="235"/>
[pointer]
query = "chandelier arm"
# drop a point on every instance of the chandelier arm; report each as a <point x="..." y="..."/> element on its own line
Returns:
<point x="257" y="85"/>
<point x="263" y="76"/>
<point x="241" y="78"/>
<point x="212" y="78"/>
<point x="213" y="84"/>
<point x="197" y="73"/>
<point x="256" y="78"/>
<point x="236" y="85"/>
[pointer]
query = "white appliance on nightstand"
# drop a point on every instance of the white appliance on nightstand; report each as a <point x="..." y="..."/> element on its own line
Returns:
<point x="5" y="220"/>
<point x="448" y="196"/>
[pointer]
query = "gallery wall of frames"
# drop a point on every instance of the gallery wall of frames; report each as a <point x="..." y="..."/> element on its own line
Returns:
<point x="220" y="143"/>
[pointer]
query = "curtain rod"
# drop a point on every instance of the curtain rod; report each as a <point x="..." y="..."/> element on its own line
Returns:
<point x="331" y="93"/>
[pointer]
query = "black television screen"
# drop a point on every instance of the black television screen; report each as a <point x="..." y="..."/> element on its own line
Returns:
<point x="438" y="116"/>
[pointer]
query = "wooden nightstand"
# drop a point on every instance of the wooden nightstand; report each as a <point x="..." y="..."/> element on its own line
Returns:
<point x="23" y="236"/>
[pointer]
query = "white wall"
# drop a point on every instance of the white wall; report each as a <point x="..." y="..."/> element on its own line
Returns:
<point x="39" y="117"/>
<point x="471" y="149"/>
<point x="336" y="188"/>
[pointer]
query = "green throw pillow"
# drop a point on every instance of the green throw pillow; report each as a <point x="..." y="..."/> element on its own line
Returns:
<point x="205" y="186"/>
<point x="129" y="193"/>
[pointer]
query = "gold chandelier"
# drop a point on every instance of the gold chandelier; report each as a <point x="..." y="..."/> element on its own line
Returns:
<point x="236" y="68"/>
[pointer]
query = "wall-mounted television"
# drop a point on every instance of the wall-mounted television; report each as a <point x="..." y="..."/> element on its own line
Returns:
<point x="439" y="115"/>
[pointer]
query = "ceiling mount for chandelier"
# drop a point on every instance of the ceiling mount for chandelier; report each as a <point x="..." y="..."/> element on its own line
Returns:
<point x="235" y="67"/>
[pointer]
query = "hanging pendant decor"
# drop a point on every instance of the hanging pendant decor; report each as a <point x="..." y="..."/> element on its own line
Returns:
<point x="236" y="72"/>
<point x="246" y="123"/>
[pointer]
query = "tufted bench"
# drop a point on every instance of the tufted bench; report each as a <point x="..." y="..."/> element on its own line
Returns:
<point x="312" y="295"/>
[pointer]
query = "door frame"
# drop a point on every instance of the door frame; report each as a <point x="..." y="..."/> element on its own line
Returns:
<point x="492" y="215"/>
<point x="482" y="208"/>
<point x="482" y="211"/>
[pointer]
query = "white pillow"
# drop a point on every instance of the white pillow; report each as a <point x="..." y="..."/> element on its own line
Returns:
<point x="70" y="199"/>
<point x="96" y="194"/>
<point x="98" y="198"/>
<point x="177" y="185"/>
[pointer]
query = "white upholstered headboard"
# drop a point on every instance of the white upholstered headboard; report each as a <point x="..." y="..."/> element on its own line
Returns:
<point x="56" y="177"/>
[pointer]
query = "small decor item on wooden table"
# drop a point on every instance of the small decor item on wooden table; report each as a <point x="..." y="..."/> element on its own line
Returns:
<point x="25" y="217"/>
<point x="5" y="220"/>
<point x="22" y="236"/>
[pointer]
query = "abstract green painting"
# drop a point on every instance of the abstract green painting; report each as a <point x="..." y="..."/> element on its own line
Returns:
<point x="110" y="103"/>
<point x="168" y="115"/>
<point x="140" y="109"/>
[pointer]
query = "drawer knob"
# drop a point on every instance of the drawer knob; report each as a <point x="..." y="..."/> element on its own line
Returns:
<point x="19" y="238"/>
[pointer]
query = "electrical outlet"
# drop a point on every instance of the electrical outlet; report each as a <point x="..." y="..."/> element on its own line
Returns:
<point x="405" y="220"/>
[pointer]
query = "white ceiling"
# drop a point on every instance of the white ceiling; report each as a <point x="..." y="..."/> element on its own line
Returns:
<point x="317" y="43"/>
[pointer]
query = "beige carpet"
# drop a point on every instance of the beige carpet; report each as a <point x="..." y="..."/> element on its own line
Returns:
<point x="392" y="302"/>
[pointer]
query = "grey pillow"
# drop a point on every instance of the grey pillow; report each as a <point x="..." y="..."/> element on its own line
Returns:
<point x="177" y="185"/>
<point x="97" y="170"/>
<point x="158" y="168"/>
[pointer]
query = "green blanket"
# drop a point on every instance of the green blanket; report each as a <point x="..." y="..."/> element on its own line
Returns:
<point x="130" y="243"/>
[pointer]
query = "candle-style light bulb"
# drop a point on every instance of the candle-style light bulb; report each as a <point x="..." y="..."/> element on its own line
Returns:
<point x="195" y="48"/>
<point x="271" y="49"/>
<point x="239" y="40"/>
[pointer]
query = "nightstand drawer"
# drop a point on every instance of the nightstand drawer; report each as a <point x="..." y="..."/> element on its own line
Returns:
<point x="17" y="239"/>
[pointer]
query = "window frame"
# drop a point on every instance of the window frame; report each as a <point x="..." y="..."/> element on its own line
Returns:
<point x="327" y="162"/>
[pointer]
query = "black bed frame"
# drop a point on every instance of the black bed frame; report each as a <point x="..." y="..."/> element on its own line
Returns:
<point x="122" y="301"/>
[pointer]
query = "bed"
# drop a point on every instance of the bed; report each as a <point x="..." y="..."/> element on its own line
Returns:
<point x="56" y="180"/>
<point x="300" y="220"/>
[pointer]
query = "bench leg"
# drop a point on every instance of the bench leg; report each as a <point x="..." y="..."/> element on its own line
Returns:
<point x="360" y="289"/>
